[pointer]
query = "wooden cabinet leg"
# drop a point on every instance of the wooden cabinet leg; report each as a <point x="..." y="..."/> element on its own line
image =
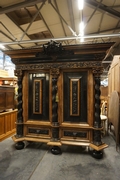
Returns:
<point x="20" y="145"/>
<point x="97" y="154"/>
<point x="56" y="150"/>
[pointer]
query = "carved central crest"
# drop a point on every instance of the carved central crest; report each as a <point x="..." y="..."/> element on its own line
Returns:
<point x="52" y="48"/>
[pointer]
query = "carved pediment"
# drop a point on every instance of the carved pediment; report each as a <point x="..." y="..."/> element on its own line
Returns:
<point x="53" y="49"/>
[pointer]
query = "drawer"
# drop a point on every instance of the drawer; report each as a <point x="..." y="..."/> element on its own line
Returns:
<point x="38" y="131"/>
<point x="75" y="134"/>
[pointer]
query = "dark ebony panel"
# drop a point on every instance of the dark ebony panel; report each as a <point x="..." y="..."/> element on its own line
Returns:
<point x="75" y="134"/>
<point x="82" y="115"/>
<point x="38" y="131"/>
<point x="33" y="113"/>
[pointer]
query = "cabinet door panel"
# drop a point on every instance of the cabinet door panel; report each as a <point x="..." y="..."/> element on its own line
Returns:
<point x="75" y="97"/>
<point x="38" y="98"/>
<point x="9" y="100"/>
<point x="2" y="101"/>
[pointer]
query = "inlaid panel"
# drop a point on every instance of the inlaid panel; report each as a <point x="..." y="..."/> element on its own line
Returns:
<point x="38" y="131"/>
<point x="75" y="97"/>
<point x="75" y="134"/>
<point x="38" y="98"/>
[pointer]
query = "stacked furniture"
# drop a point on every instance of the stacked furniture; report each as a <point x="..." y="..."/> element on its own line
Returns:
<point x="59" y="95"/>
<point x="114" y="97"/>
<point x="8" y="113"/>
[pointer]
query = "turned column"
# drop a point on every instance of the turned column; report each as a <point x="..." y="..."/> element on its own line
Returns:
<point x="19" y="123"/>
<point x="97" y="120"/>
<point x="55" y="130"/>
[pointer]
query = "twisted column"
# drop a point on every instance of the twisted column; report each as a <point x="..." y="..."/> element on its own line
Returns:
<point x="97" y="119"/>
<point x="54" y="103"/>
<point x="19" y="106"/>
<point x="55" y="130"/>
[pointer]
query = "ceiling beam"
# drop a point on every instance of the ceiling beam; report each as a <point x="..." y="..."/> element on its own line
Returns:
<point x="101" y="19"/>
<point x="62" y="39"/>
<point x="74" y="33"/>
<point x="104" y="31"/>
<point x="7" y="30"/>
<point x="70" y="8"/>
<point x="103" y="8"/>
<point x="8" y="47"/>
<point x="16" y="23"/>
<point x="60" y="18"/>
<point x="41" y="16"/>
<point x="19" y="6"/>
<point x="32" y="20"/>
<point x="92" y="14"/>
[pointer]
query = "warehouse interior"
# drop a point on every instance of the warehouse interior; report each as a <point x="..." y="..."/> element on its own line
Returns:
<point x="47" y="44"/>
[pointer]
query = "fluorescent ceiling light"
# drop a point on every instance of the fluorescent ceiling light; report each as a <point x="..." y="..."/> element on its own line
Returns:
<point x="81" y="28"/>
<point x="80" y="4"/>
<point x="81" y="31"/>
<point x="2" y="47"/>
<point x="81" y="39"/>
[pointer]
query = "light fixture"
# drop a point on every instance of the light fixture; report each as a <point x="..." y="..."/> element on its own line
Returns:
<point x="81" y="28"/>
<point x="2" y="47"/>
<point x="81" y="31"/>
<point x="80" y="4"/>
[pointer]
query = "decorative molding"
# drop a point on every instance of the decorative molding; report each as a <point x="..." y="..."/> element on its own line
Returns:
<point x="55" y="72"/>
<point x="97" y="71"/>
<point x="68" y="65"/>
<point x="18" y="72"/>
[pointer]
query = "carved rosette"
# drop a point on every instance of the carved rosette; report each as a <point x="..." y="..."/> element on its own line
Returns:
<point x="97" y="120"/>
<point x="55" y="131"/>
<point x="18" y="73"/>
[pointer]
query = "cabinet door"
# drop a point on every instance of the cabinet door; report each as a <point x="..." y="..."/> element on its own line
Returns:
<point x="2" y="101"/>
<point x="75" y="97"/>
<point x="38" y="96"/>
<point x="10" y="99"/>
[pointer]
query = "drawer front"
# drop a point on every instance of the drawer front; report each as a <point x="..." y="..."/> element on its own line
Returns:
<point x="38" y="131"/>
<point x="75" y="134"/>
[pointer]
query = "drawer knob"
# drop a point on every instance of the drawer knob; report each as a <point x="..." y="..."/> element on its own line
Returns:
<point x="74" y="134"/>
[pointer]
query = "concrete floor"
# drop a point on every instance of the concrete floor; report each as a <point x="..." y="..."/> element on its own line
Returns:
<point x="36" y="162"/>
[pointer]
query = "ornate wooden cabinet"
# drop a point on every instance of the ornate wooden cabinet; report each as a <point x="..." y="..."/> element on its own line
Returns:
<point x="59" y="95"/>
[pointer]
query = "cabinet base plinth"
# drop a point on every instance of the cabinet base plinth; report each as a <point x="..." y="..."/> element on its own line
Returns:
<point x="98" y="148"/>
<point x="15" y="139"/>
<point x="52" y="143"/>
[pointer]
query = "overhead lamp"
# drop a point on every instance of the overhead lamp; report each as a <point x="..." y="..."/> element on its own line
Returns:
<point x="2" y="47"/>
<point x="80" y="4"/>
<point x="81" y="31"/>
<point x="81" y="28"/>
